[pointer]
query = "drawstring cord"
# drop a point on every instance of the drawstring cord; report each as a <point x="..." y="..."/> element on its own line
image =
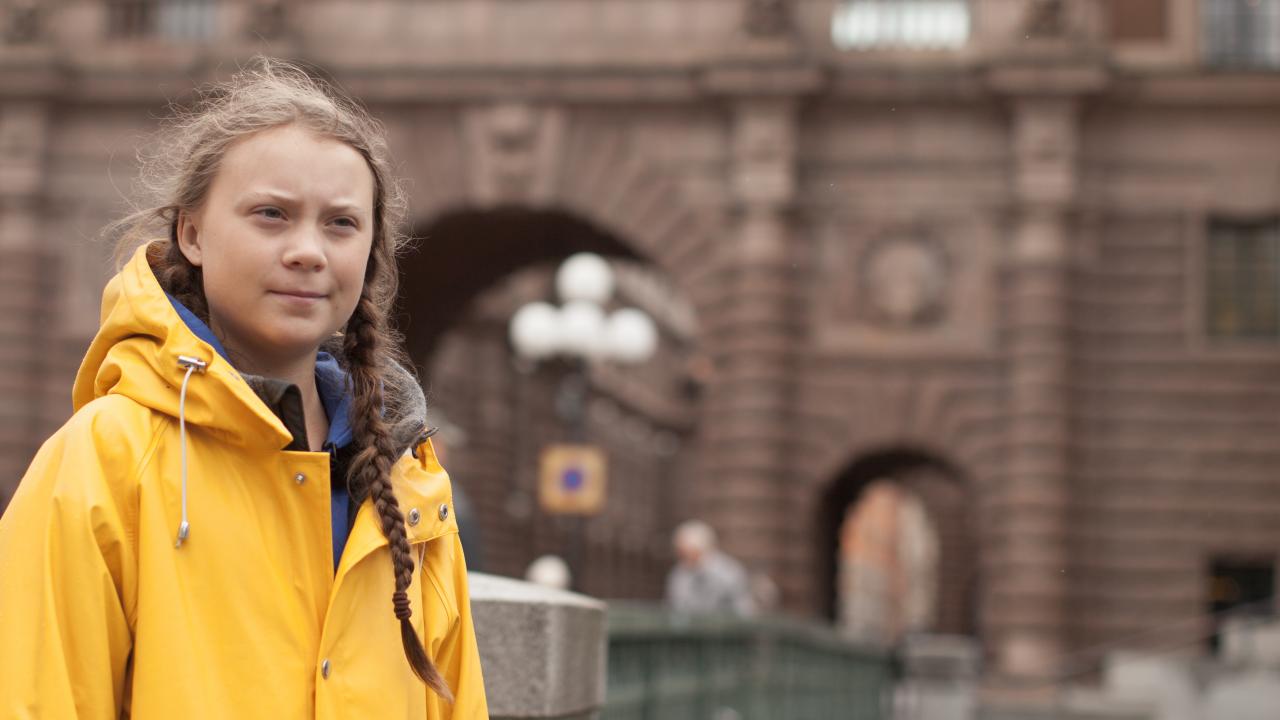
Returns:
<point x="192" y="365"/>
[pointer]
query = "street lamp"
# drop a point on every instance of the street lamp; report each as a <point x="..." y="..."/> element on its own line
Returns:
<point x="579" y="331"/>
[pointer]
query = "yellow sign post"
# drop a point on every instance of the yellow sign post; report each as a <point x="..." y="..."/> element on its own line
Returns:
<point x="572" y="479"/>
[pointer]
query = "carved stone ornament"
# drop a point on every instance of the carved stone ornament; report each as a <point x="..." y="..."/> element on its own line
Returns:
<point x="903" y="282"/>
<point x="1046" y="19"/>
<point x="514" y="148"/>
<point x="266" y="19"/>
<point x="21" y="22"/>
<point x="766" y="18"/>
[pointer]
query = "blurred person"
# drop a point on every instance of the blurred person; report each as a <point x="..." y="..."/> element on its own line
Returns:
<point x="247" y="475"/>
<point x="704" y="579"/>
<point x="765" y="593"/>
<point x="549" y="571"/>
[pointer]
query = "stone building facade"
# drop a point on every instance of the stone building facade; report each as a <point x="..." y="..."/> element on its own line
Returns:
<point x="1024" y="257"/>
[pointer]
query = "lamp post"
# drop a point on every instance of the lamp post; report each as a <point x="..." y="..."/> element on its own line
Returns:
<point x="578" y="332"/>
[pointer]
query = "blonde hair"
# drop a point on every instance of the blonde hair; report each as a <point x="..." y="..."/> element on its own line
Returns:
<point x="178" y="168"/>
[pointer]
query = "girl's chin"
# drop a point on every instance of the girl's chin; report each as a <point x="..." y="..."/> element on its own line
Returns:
<point x="293" y="342"/>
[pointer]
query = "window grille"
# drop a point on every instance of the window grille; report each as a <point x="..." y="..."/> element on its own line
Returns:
<point x="1243" y="288"/>
<point x="911" y="24"/>
<point x="166" y="19"/>
<point x="1242" y="34"/>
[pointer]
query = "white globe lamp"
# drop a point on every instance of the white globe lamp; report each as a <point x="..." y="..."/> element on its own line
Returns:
<point x="535" y="330"/>
<point x="631" y="336"/>
<point x="586" y="277"/>
<point x="582" y="328"/>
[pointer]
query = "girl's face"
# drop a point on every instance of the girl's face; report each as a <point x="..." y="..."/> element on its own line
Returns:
<point x="282" y="238"/>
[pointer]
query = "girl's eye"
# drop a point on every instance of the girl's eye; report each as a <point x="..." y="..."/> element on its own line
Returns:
<point x="348" y="222"/>
<point x="270" y="213"/>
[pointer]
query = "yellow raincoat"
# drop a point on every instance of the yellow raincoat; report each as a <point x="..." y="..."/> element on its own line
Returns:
<point x="102" y="616"/>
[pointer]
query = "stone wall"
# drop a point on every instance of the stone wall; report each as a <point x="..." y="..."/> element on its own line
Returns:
<point x="991" y="258"/>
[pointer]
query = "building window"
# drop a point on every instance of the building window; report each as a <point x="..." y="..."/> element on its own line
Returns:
<point x="1242" y="33"/>
<point x="1243" y="288"/>
<point x="910" y="24"/>
<point x="167" y="19"/>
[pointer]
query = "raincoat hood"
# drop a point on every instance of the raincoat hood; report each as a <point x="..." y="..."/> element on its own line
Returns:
<point x="141" y="329"/>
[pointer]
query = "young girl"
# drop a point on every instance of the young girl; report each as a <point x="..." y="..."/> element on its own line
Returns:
<point x="244" y="517"/>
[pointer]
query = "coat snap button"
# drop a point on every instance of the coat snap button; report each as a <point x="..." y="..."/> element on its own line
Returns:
<point x="324" y="668"/>
<point x="414" y="516"/>
<point x="444" y="511"/>
<point x="299" y="478"/>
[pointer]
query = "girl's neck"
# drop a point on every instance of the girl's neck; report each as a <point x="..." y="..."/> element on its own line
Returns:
<point x="299" y="371"/>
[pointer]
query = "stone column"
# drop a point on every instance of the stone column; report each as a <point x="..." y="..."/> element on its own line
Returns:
<point x="743" y="492"/>
<point x="26" y="295"/>
<point x="1029" y="582"/>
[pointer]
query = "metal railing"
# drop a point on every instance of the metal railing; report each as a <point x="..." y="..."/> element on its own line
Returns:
<point x="674" y="667"/>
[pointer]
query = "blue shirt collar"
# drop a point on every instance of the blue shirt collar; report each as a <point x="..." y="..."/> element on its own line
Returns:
<point x="331" y="383"/>
<point x="331" y="379"/>
<point x="198" y="326"/>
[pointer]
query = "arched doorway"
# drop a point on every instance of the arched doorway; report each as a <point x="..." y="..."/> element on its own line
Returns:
<point x="471" y="271"/>
<point x="463" y="252"/>
<point x="897" y="547"/>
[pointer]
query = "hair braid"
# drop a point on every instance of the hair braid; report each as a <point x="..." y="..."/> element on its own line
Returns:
<point x="371" y="470"/>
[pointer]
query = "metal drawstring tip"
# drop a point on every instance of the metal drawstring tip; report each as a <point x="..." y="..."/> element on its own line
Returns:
<point x="183" y="531"/>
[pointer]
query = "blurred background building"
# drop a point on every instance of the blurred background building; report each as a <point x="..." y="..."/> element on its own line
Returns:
<point x="968" y="311"/>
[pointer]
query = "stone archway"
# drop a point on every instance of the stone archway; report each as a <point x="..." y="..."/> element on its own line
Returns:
<point x="510" y="185"/>
<point x="465" y="251"/>
<point x="478" y="268"/>
<point x="715" y="217"/>
<point x="942" y="493"/>
<point x="507" y="163"/>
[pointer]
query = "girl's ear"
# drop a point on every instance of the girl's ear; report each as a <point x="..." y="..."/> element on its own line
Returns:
<point x="189" y="238"/>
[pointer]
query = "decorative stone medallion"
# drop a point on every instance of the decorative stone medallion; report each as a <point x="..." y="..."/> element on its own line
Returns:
<point x="902" y="281"/>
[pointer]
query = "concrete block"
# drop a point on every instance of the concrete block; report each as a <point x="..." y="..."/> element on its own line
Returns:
<point x="1251" y="642"/>
<point x="1248" y="695"/>
<point x="941" y="657"/>
<point x="543" y="651"/>
<point x="941" y="674"/>
<point x="1166" y="683"/>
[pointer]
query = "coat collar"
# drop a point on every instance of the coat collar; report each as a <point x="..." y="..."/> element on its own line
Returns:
<point x="420" y="484"/>
<point x="331" y="379"/>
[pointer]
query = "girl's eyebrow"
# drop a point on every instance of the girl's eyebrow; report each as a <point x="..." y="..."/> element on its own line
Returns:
<point x="269" y="195"/>
<point x="289" y="198"/>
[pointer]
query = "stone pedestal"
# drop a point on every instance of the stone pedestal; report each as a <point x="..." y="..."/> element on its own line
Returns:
<point x="543" y="651"/>
<point x="940" y="678"/>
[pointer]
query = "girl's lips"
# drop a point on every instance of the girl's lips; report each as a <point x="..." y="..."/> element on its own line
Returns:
<point x="299" y="294"/>
<point x="299" y="300"/>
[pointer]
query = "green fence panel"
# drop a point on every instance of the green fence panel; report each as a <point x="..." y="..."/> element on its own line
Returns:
<point x="664" y="666"/>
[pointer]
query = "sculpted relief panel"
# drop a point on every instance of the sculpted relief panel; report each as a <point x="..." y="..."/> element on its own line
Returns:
<point x="902" y="281"/>
<point x="905" y="286"/>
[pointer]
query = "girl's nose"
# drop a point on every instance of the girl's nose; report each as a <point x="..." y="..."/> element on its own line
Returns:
<point x="305" y="250"/>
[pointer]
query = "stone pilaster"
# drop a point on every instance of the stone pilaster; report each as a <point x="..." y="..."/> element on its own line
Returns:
<point x="744" y="491"/>
<point x="1030" y="581"/>
<point x="25" y="291"/>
